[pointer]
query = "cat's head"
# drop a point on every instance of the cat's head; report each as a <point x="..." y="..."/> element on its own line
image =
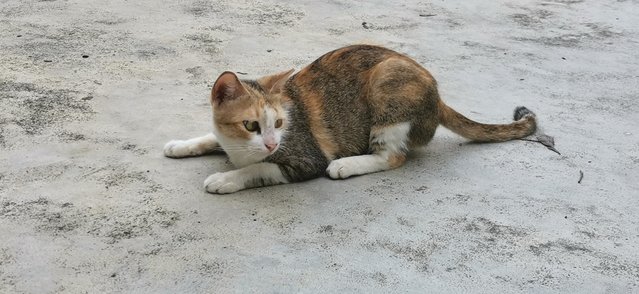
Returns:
<point x="249" y="117"/>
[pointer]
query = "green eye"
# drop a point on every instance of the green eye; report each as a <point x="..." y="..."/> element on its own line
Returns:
<point x="278" y="123"/>
<point x="251" y="126"/>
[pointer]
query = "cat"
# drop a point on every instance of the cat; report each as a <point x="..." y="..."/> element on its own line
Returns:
<point x="353" y="111"/>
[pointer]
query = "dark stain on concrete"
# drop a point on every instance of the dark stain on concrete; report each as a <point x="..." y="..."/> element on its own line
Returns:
<point x="44" y="108"/>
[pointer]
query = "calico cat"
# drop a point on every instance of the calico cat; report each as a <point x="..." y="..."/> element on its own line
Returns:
<point x="355" y="110"/>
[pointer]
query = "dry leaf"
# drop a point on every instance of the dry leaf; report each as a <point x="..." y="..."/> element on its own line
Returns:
<point x="548" y="141"/>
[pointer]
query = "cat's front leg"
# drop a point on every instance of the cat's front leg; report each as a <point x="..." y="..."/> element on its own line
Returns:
<point x="254" y="175"/>
<point x="191" y="147"/>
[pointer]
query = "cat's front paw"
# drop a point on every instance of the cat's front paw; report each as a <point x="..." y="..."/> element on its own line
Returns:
<point x="340" y="169"/>
<point x="178" y="149"/>
<point x="221" y="183"/>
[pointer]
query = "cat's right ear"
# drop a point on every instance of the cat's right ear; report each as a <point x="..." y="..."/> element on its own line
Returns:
<point x="226" y="87"/>
<point x="274" y="83"/>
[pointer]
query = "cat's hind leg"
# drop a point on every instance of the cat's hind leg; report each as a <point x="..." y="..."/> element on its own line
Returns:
<point x="388" y="144"/>
<point x="191" y="147"/>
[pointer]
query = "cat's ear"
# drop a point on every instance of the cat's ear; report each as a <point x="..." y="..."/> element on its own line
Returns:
<point x="226" y="87"/>
<point x="274" y="83"/>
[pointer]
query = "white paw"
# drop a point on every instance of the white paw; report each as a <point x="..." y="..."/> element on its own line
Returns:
<point x="221" y="183"/>
<point x="340" y="169"/>
<point x="178" y="149"/>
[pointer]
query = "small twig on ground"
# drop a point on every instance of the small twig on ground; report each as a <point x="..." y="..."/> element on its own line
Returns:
<point x="581" y="176"/>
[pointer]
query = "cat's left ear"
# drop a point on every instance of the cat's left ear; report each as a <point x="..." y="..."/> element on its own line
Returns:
<point x="226" y="87"/>
<point x="274" y="83"/>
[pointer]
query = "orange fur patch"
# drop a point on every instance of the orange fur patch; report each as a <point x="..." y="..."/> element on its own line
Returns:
<point x="411" y="89"/>
<point x="396" y="160"/>
<point x="314" y="106"/>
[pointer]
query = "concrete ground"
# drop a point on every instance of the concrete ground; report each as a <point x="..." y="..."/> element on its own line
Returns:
<point x="91" y="90"/>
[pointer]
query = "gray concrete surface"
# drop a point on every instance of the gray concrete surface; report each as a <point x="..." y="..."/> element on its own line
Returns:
<point x="88" y="203"/>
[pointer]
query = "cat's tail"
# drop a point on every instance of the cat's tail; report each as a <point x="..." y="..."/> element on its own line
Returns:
<point x="523" y="125"/>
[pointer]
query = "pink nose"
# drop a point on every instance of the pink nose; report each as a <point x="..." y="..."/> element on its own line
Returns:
<point x="270" y="147"/>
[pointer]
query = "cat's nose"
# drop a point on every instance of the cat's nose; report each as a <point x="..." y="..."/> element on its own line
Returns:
<point x="271" y="147"/>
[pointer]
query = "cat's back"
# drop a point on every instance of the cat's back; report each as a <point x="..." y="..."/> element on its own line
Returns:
<point x="356" y="58"/>
<point x="332" y="92"/>
<point x="342" y="63"/>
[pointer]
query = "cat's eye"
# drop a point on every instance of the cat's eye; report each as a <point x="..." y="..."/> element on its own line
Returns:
<point x="278" y="123"/>
<point x="251" y="126"/>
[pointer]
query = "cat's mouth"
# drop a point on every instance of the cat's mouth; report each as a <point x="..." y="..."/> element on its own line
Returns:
<point x="271" y="152"/>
